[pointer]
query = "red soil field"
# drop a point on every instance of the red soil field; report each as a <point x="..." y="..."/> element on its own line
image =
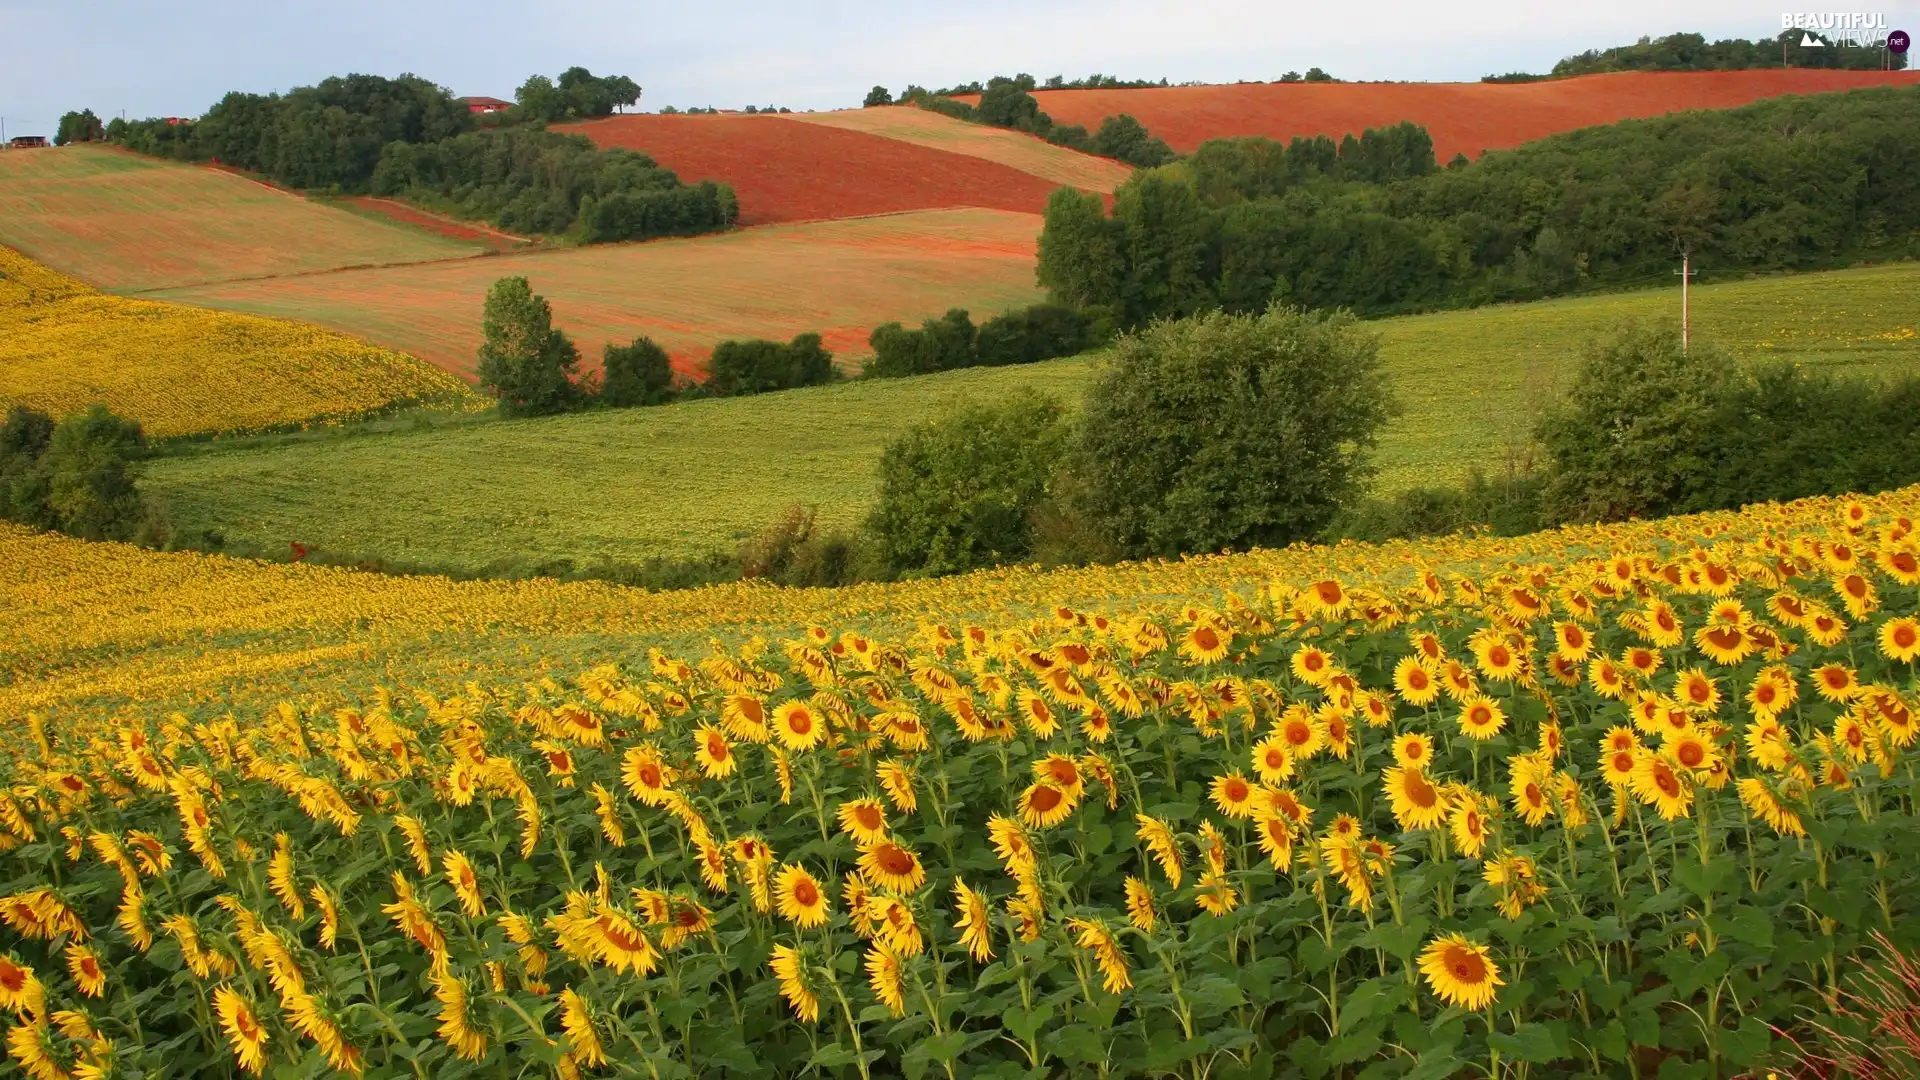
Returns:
<point x="784" y="170"/>
<point x="395" y="210"/>
<point x="1462" y="117"/>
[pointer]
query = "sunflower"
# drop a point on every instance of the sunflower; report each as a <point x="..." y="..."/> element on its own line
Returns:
<point x="1836" y="682"/>
<point x="1299" y="731"/>
<point x="466" y="884"/>
<point x="798" y="726"/>
<point x="896" y="779"/>
<point x="583" y="1038"/>
<point x="1662" y="626"/>
<point x="1696" y="691"/>
<point x="1458" y="681"/>
<point x="1324" y="599"/>
<point x="1214" y="895"/>
<point x="799" y="898"/>
<point x="1496" y="658"/>
<point x="1851" y="738"/>
<point x="1313" y="665"/>
<point x="646" y="774"/>
<point x="1691" y="749"/>
<point x="84" y="964"/>
<point x="712" y="753"/>
<point x="1011" y="845"/>
<point x="976" y="922"/>
<point x="244" y="1031"/>
<point x="1527" y="786"/>
<point x="1724" y="643"/>
<point x="1063" y="773"/>
<point x="1773" y="691"/>
<point x="1043" y="805"/>
<point x="1160" y="841"/>
<point x="1467" y="825"/>
<point x="1037" y="714"/>
<point x="885" y="977"/>
<point x="1826" y="629"/>
<point x="1276" y="839"/>
<point x="1572" y="641"/>
<point x="864" y="819"/>
<point x="894" y="924"/>
<point x="1233" y="795"/>
<point x="280" y="877"/>
<point x="789" y="968"/>
<point x="1140" y="909"/>
<point x="746" y="717"/>
<point x="1097" y="939"/>
<point x="1460" y="972"/>
<point x="1607" y="677"/>
<point x="1205" y="643"/>
<point x="1659" y="785"/>
<point x="415" y="835"/>
<point x="1339" y="732"/>
<point x="888" y="865"/>
<point x="1641" y="661"/>
<point x="1412" y="750"/>
<point x="1900" y="640"/>
<point x="1765" y="806"/>
<point x="1861" y="598"/>
<point x="1481" y="718"/>
<point x="1272" y="761"/>
<point x="1417" y="804"/>
<point x="456" y="1026"/>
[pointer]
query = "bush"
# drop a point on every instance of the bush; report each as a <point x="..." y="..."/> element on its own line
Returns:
<point x="1040" y="332"/>
<point x="80" y="126"/>
<point x="75" y="476"/>
<point x="636" y="374"/>
<point x="756" y="366"/>
<point x="877" y="96"/>
<point x="939" y="345"/>
<point x="1228" y="431"/>
<point x="793" y="551"/>
<point x="1126" y="139"/>
<point x="958" y="493"/>
<point x="524" y="361"/>
<point x="1507" y="506"/>
<point x="1630" y="438"/>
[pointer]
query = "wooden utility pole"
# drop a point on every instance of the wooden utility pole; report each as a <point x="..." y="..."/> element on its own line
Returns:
<point x="1686" y="275"/>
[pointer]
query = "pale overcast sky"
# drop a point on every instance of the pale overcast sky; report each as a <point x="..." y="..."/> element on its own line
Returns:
<point x="176" y="57"/>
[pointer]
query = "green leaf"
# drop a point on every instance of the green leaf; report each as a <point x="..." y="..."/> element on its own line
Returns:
<point x="946" y="1047"/>
<point x="1751" y="925"/>
<point x="1611" y="1041"/>
<point x="1211" y="995"/>
<point x="832" y="1056"/>
<point x="1438" y="1064"/>
<point x="1705" y="880"/>
<point x="1076" y="1043"/>
<point x="1528" y="1042"/>
<point x="1024" y="1023"/>
<point x="1747" y="1043"/>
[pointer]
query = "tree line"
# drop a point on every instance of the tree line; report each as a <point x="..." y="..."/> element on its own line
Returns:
<point x="1692" y="52"/>
<point x="409" y="138"/>
<point x="1793" y="183"/>
<point x="531" y="367"/>
<point x="1008" y="102"/>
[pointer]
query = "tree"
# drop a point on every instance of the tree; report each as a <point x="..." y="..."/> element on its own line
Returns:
<point x="758" y="366"/>
<point x="877" y="96"/>
<point x="958" y="493"/>
<point x="75" y="476"/>
<point x="24" y="436"/>
<point x="1080" y="261"/>
<point x="524" y="361"/>
<point x="1229" y="431"/>
<point x="80" y="126"/>
<point x="1631" y="437"/>
<point x="1126" y="139"/>
<point x="635" y="374"/>
<point x="1314" y="74"/>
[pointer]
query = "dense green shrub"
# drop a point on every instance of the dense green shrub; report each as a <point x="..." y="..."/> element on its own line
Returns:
<point x="1649" y="430"/>
<point x="75" y="476"/>
<point x="1040" y="332"/>
<point x="1692" y="52"/>
<point x="879" y="95"/>
<point x="959" y="492"/>
<point x="1371" y="225"/>
<point x="80" y="126"/>
<point x="1126" y="139"/>
<point x="757" y="366"/>
<point x="940" y="344"/>
<point x="579" y="94"/>
<point x="639" y="373"/>
<point x="1229" y="431"/>
<point x="525" y="361"/>
<point x="1008" y="102"/>
<point x="1505" y="506"/>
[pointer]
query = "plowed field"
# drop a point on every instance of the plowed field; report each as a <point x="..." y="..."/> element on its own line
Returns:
<point x="1463" y="117"/>
<point x="1024" y="152"/>
<point x="128" y="223"/>
<point x="784" y="170"/>
<point x="841" y="278"/>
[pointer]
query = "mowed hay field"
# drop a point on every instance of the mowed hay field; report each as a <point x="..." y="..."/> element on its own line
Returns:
<point x="1462" y="117"/>
<point x="128" y="223"/>
<point x="840" y="278"/>
<point x="182" y="370"/>
<point x="786" y="170"/>
<point x="687" y="479"/>
<point x="1014" y="149"/>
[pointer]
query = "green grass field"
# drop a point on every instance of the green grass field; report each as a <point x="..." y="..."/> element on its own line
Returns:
<point x="686" y="479"/>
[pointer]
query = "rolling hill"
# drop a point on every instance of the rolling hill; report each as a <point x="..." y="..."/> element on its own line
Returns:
<point x="1463" y="118"/>
<point x="786" y="169"/>
<point x="839" y="278"/>
<point x="128" y="223"/>
<point x="689" y="478"/>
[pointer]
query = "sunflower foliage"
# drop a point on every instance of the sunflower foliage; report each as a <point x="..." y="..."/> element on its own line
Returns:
<point x="1565" y="817"/>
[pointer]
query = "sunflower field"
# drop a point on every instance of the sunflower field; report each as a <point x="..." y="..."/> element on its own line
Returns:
<point x="1621" y="812"/>
<point x="183" y="370"/>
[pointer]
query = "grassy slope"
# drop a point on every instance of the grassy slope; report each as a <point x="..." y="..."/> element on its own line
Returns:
<point x="841" y="278"/>
<point x="686" y="478"/>
<point x="130" y="223"/>
<point x="1028" y="153"/>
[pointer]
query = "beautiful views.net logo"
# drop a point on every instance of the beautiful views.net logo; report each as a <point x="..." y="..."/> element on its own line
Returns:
<point x="1857" y="29"/>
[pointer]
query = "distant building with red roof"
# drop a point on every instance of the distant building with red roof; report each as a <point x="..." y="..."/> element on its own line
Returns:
<point x="485" y="104"/>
